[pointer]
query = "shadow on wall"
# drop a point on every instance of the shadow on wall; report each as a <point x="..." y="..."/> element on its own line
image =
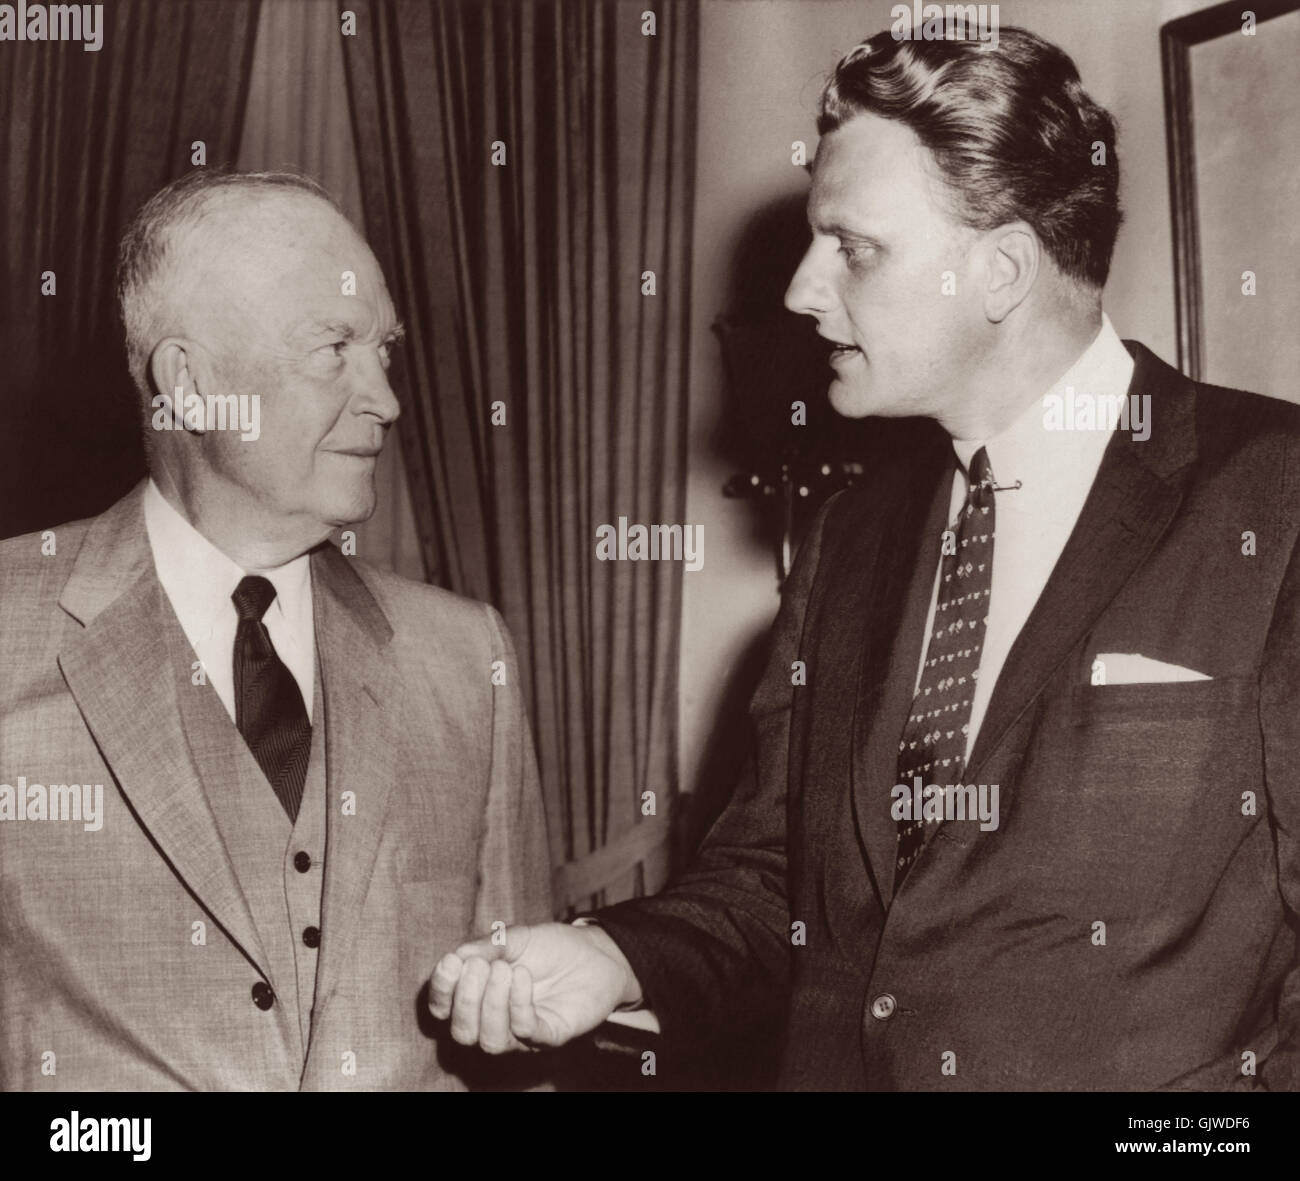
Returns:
<point x="786" y="468"/>
<point x="772" y="357"/>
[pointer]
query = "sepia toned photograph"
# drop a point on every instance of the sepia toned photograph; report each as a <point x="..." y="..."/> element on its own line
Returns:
<point x="650" y="546"/>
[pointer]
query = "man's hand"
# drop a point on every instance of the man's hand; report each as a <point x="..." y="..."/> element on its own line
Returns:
<point x="545" y="986"/>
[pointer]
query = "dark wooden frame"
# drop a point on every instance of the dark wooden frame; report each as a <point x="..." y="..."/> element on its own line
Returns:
<point x="1176" y="40"/>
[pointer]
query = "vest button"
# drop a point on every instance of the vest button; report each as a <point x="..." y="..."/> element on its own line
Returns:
<point x="302" y="861"/>
<point x="882" y="1008"/>
<point x="311" y="936"/>
<point x="263" y="996"/>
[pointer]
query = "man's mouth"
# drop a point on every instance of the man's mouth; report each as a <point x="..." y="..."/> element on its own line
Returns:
<point x="839" y="348"/>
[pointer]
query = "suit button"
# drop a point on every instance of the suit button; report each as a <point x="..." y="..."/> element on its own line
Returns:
<point x="302" y="861"/>
<point x="883" y="1007"/>
<point x="311" y="936"/>
<point x="263" y="996"/>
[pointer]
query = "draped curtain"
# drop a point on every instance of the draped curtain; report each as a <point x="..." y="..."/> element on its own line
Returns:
<point x="523" y="165"/>
<point x="86" y="138"/>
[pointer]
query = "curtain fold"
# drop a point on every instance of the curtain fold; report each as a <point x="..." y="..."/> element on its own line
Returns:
<point x="87" y="137"/>
<point x="522" y="166"/>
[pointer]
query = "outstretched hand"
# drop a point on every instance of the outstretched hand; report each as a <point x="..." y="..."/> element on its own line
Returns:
<point x="541" y="986"/>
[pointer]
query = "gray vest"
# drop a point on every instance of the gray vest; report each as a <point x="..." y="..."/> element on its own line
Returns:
<point x="260" y="841"/>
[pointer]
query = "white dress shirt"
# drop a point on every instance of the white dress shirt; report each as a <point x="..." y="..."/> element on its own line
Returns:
<point x="1056" y="469"/>
<point x="199" y="579"/>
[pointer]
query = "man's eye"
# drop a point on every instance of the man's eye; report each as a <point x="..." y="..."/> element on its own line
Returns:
<point x="338" y="346"/>
<point x="855" y="253"/>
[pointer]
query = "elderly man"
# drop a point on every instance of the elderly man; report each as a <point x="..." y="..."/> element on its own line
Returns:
<point x="1024" y="810"/>
<point x="249" y="786"/>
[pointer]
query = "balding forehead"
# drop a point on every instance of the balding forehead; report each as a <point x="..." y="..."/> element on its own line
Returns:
<point x="266" y="238"/>
<point x="258" y="269"/>
<point x="234" y="218"/>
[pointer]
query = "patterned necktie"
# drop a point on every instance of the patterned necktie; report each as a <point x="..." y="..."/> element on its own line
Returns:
<point x="933" y="746"/>
<point x="269" y="710"/>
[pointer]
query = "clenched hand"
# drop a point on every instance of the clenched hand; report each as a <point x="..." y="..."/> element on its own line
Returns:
<point x="544" y="986"/>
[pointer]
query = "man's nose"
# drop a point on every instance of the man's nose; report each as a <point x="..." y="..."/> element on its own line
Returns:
<point x="374" y="394"/>
<point x="808" y="293"/>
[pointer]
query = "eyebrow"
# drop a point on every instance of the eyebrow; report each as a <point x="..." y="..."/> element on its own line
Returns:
<point x="839" y="229"/>
<point x="345" y="331"/>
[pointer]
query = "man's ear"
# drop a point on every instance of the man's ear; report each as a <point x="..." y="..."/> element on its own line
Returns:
<point x="1015" y="256"/>
<point x="171" y="367"/>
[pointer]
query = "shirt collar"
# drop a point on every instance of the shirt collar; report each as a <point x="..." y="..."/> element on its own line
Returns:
<point x="199" y="578"/>
<point x="1028" y="450"/>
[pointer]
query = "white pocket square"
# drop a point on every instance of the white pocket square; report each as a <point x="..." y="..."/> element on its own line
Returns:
<point x="1128" y="668"/>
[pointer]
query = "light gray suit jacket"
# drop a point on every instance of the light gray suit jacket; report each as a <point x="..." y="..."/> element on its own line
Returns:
<point x="103" y="985"/>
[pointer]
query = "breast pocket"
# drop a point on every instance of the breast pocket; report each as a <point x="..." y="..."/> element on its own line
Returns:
<point x="1145" y="705"/>
<point x="1138" y="793"/>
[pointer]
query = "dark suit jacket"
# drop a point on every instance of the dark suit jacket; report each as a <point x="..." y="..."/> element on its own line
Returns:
<point x="1120" y="804"/>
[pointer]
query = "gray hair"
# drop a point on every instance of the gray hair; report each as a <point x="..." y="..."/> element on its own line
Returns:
<point x="147" y="243"/>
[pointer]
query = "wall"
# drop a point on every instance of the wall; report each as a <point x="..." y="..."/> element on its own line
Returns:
<point x="761" y="70"/>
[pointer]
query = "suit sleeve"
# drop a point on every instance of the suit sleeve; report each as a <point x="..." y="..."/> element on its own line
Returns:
<point x="1279" y="706"/>
<point x="514" y="865"/>
<point x="712" y="951"/>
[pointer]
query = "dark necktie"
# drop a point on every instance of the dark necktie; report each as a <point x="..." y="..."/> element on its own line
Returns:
<point x="269" y="711"/>
<point x="933" y="746"/>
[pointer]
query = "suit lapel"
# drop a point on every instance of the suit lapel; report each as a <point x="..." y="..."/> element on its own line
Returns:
<point x="1134" y="498"/>
<point x="362" y="706"/>
<point x="118" y="671"/>
<point x="886" y="691"/>
<point x="869" y="553"/>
